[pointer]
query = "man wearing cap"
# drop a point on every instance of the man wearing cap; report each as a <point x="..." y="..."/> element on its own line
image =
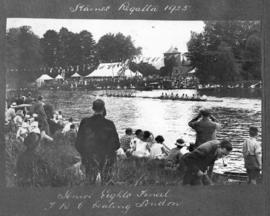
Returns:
<point x="97" y="142"/>
<point x="197" y="161"/>
<point x="205" y="126"/>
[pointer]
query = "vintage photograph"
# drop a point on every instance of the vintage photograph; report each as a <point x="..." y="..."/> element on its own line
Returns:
<point x="133" y="102"/>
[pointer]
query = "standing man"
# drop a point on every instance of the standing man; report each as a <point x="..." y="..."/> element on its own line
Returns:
<point x="97" y="142"/>
<point x="205" y="126"/>
<point x="197" y="161"/>
<point x="252" y="152"/>
<point x="38" y="108"/>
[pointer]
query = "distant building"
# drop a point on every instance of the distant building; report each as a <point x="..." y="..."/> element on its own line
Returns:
<point x="176" y="63"/>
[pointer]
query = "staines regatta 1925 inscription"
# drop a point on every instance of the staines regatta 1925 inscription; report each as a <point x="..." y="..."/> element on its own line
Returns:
<point x="121" y="201"/>
<point x="130" y="9"/>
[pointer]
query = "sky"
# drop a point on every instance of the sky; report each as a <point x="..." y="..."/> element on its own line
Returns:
<point x="154" y="36"/>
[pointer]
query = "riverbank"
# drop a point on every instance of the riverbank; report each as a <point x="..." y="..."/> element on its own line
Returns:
<point x="62" y="165"/>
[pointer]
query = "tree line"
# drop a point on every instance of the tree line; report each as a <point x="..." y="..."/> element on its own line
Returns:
<point x="28" y="56"/>
<point x="226" y="51"/>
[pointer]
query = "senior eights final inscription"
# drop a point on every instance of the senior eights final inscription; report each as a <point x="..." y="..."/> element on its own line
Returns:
<point x="122" y="200"/>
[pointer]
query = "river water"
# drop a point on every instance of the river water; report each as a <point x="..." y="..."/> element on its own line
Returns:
<point x="170" y="118"/>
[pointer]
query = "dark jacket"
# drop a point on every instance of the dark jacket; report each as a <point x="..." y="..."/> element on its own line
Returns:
<point x="205" y="131"/>
<point x="202" y="157"/>
<point x="42" y="117"/>
<point x="97" y="137"/>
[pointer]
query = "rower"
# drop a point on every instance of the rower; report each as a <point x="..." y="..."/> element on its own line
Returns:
<point x="162" y="95"/>
<point x="183" y="96"/>
<point x="166" y="95"/>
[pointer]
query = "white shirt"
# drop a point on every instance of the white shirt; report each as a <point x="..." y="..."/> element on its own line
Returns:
<point x="156" y="151"/>
<point x="184" y="150"/>
<point x="140" y="148"/>
<point x="67" y="127"/>
<point x="251" y="147"/>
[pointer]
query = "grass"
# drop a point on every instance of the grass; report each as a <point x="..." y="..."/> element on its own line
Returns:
<point x="62" y="168"/>
<point x="60" y="156"/>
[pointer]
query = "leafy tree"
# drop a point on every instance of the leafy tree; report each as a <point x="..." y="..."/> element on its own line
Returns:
<point x="87" y="44"/>
<point x="144" y="68"/>
<point x="252" y="53"/>
<point x="88" y="51"/>
<point x="221" y="48"/>
<point x="116" y="47"/>
<point x="23" y="56"/>
<point x="50" y="46"/>
<point x="65" y="38"/>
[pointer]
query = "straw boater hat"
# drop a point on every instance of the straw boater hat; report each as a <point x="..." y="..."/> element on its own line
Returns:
<point x="180" y="142"/>
<point x="14" y="104"/>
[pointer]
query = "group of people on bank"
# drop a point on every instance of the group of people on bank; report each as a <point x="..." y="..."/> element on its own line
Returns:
<point x="98" y="143"/>
<point x="32" y="115"/>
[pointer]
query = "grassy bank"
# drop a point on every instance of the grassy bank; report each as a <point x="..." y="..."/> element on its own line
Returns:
<point x="60" y="162"/>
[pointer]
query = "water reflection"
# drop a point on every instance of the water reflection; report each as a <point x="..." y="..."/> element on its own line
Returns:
<point x="168" y="118"/>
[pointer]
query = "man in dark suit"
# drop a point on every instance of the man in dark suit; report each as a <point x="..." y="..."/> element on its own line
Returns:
<point x="97" y="142"/>
<point x="197" y="161"/>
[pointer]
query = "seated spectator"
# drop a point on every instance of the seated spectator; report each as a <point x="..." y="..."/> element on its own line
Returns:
<point x="22" y="131"/>
<point x="67" y="125"/>
<point x="142" y="146"/>
<point x="157" y="150"/>
<point x="19" y="118"/>
<point x="72" y="134"/>
<point x="60" y="116"/>
<point x="31" y="169"/>
<point x="176" y="153"/>
<point x="126" y="139"/>
<point x="120" y="153"/>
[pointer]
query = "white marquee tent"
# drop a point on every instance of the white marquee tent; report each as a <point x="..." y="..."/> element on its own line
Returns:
<point x="42" y="79"/>
<point x="59" y="77"/>
<point x="76" y="75"/>
<point x="115" y="69"/>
